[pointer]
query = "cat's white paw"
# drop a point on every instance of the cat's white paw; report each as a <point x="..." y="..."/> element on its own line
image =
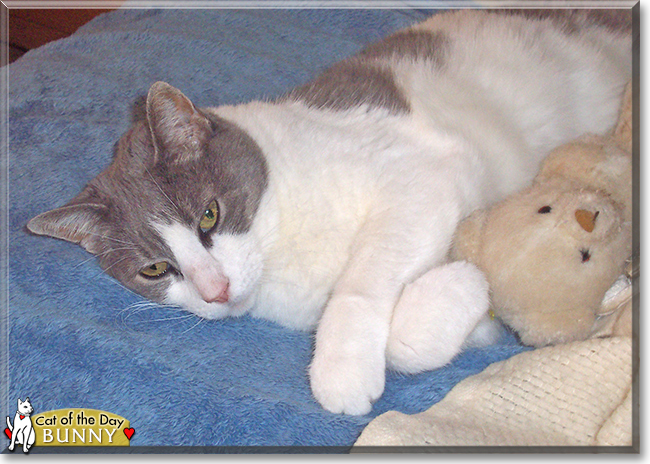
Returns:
<point x="435" y="315"/>
<point x="345" y="384"/>
<point x="349" y="367"/>
<point x="487" y="332"/>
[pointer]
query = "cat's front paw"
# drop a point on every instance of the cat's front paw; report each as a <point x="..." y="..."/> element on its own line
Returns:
<point x="435" y="315"/>
<point x="346" y="385"/>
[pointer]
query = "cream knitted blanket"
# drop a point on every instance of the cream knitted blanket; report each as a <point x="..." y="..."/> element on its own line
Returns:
<point x="575" y="394"/>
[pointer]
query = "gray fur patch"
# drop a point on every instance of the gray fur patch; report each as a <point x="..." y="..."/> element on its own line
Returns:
<point x="573" y="20"/>
<point x="365" y="80"/>
<point x="350" y="84"/>
<point x="410" y="44"/>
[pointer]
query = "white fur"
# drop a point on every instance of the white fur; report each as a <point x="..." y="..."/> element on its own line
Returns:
<point x="434" y="316"/>
<point x="361" y="203"/>
<point x="233" y="261"/>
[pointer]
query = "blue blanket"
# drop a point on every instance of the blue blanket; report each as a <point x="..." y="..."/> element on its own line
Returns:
<point x="77" y="338"/>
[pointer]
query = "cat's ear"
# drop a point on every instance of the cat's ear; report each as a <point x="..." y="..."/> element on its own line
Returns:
<point x="76" y="223"/>
<point x="179" y="130"/>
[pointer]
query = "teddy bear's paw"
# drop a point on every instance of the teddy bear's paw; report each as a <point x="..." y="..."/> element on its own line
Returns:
<point x="434" y="316"/>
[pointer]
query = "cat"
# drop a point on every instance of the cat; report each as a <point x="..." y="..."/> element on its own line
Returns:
<point x="22" y="430"/>
<point x="332" y="208"/>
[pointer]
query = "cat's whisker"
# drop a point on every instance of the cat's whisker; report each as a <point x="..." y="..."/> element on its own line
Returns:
<point x="114" y="264"/>
<point x="168" y="308"/>
<point x="130" y="311"/>
<point x="103" y="254"/>
<point x="145" y="305"/>
<point x="111" y="238"/>
<point x="161" y="190"/>
<point x="133" y="309"/>
<point x="141" y="308"/>
<point x="84" y="262"/>
<point x="199" y="322"/>
<point x="142" y="304"/>
<point x="175" y="318"/>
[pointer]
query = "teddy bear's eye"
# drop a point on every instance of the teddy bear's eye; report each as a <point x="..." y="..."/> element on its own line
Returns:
<point x="544" y="210"/>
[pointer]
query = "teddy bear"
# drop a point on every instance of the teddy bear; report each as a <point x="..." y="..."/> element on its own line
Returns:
<point x="554" y="251"/>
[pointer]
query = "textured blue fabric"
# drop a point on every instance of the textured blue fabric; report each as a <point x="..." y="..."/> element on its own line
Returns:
<point x="79" y="339"/>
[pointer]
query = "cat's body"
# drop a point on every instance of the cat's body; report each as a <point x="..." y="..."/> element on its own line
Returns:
<point x="334" y="198"/>
<point x="351" y="184"/>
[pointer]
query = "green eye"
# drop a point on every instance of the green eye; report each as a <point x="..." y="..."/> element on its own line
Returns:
<point x="155" y="270"/>
<point x="210" y="217"/>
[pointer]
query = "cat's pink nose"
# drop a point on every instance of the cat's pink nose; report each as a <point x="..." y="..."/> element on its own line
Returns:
<point x="218" y="294"/>
<point x="209" y="281"/>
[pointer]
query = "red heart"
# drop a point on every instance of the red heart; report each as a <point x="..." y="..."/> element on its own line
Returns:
<point x="22" y="417"/>
<point x="8" y="432"/>
<point x="129" y="433"/>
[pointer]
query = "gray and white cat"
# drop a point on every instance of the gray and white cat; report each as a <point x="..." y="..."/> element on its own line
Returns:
<point x="333" y="207"/>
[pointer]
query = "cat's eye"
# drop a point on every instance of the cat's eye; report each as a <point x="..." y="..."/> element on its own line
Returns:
<point x="210" y="217"/>
<point x="155" y="270"/>
<point x="544" y="210"/>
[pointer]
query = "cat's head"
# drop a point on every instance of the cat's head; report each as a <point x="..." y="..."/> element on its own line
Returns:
<point x="170" y="218"/>
<point x="25" y="407"/>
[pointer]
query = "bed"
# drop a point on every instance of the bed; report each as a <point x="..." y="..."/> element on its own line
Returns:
<point x="76" y="338"/>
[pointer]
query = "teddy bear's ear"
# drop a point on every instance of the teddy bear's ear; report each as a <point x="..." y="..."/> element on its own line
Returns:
<point x="623" y="131"/>
<point x="467" y="240"/>
<point x="587" y="159"/>
<point x="574" y="160"/>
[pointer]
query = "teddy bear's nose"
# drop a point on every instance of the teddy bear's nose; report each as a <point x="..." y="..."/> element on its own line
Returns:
<point x="586" y="219"/>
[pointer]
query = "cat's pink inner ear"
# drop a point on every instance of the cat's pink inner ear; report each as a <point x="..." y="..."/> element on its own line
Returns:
<point x="75" y="223"/>
<point x="179" y="130"/>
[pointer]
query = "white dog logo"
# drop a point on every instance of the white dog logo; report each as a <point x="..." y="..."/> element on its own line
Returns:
<point x="22" y="431"/>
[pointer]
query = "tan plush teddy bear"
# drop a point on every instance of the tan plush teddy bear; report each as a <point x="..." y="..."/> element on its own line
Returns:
<point x="552" y="251"/>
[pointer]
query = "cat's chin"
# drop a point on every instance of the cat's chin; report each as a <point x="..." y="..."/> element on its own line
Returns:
<point x="235" y="308"/>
